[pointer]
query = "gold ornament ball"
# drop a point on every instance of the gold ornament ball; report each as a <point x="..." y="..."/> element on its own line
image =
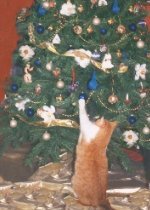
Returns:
<point x="38" y="89"/>
<point x="121" y="29"/>
<point x="112" y="99"/>
<point x="59" y="98"/>
<point x="13" y="123"/>
<point x="80" y="8"/>
<point x="96" y="21"/>
<point x="46" y="136"/>
<point x="123" y="68"/>
<point x="46" y="5"/>
<point x="60" y="84"/>
<point x="90" y="29"/>
<point x="140" y="44"/>
<point x="136" y="38"/>
<point x="77" y="29"/>
<point x="146" y="130"/>
<point x="119" y="54"/>
<point x="131" y="9"/>
<point x="111" y="21"/>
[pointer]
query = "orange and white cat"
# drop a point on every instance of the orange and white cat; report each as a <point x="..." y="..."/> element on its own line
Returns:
<point x="90" y="178"/>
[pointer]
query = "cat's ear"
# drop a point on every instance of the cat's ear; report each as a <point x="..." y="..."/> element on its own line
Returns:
<point x="100" y="122"/>
<point x="114" y="124"/>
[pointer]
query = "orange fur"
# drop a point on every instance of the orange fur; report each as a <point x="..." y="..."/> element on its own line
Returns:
<point x="91" y="168"/>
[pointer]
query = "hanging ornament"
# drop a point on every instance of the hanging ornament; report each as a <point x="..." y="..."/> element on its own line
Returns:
<point x="121" y="29"/>
<point x="60" y="84"/>
<point x="27" y="76"/>
<point x="29" y="112"/>
<point x="56" y="39"/>
<point x="96" y="21"/>
<point x="38" y="89"/>
<point x="127" y="99"/>
<point x="83" y="96"/>
<point x="132" y="119"/>
<point x="102" y="3"/>
<point x="20" y="104"/>
<point x="115" y="7"/>
<point x="52" y="4"/>
<point x="41" y="10"/>
<point x="93" y="3"/>
<point x="119" y="53"/>
<point x="56" y="72"/>
<point x="37" y="62"/>
<point x="46" y="136"/>
<point x="80" y="8"/>
<point x="148" y="119"/>
<point x="92" y="83"/>
<point x="77" y="29"/>
<point x="49" y="66"/>
<point x="140" y="44"/>
<point x="46" y="5"/>
<point x="13" y="123"/>
<point x="132" y="27"/>
<point x="113" y="99"/>
<point x="90" y="29"/>
<point x="14" y="87"/>
<point x="74" y="85"/>
<point x="148" y="54"/>
<point x="123" y="68"/>
<point x="40" y="29"/>
<point x="103" y="31"/>
<point x="111" y="21"/>
<point x="59" y="98"/>
<point x="146" y="130"/>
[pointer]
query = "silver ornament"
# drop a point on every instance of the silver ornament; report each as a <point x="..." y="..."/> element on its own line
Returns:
<point x="140" y="44"/>
<point x="148" y="119"/>
<point x="96" y="21"/>
<point x="49" y="66"/>
<point x="46" y="136"/>
<point x="46" y="5"/>
<point x="60" y="84"/>
<point x="146" y="130"/>
<point x="13" y="123"/>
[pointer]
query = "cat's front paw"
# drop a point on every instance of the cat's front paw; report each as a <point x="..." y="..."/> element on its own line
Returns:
<point x="81" y="103"/>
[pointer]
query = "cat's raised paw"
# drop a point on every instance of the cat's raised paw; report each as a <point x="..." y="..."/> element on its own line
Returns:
<point x="81" y="103"/>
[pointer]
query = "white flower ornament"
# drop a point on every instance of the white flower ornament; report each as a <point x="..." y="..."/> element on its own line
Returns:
<point x="102" y="3"/>
<point x="130" y="137"/>
<point x="68" y="9"/>
<point x="26" y="52"/>
<point x="140" y="71"/>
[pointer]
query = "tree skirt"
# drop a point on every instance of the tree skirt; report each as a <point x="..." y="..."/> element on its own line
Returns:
<point x="50" y="188"/>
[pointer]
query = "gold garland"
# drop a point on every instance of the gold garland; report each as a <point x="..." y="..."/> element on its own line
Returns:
<point x="120" y="111"/>
<point x="54" y="123"/>
<point x="72" y="53"/>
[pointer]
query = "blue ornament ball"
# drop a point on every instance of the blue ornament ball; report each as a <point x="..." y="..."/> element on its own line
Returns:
<point x="30" y="112"/>
<point x="83" y="96"/>
<point x="41" y="10"/>
<point x="14" y="87"/>
<point x="132" y="27"/>
<point x="132" y="119"/>
<point x="40" y="29"/>
<point x="37" y="62"/>
<point x="103" y="31"/>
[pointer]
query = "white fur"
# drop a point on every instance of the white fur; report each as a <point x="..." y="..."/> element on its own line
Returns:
<point x="88" y="130"/>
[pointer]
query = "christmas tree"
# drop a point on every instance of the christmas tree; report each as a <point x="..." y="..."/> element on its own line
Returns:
<point x="92" y="49"/>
